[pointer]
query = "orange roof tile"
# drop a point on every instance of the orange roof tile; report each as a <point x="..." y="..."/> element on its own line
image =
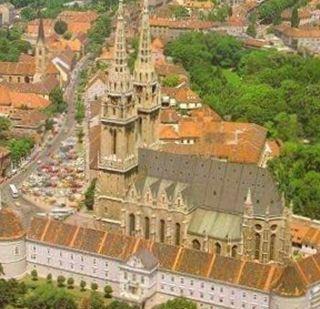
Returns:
<point x="186" y="95"/>
<point x="180" y="24"/>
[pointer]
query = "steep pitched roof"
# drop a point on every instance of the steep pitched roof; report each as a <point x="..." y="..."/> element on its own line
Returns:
<point x="292" y="280"/>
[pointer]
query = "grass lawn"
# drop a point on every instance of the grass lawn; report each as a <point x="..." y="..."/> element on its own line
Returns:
<point x="76" y="291"/>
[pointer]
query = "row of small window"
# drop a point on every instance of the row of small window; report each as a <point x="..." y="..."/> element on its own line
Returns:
<point x="213" y="288"/>
<point x="72" y="256"/>
<point x="133" y="277"/>
<point x="220" y="299"/>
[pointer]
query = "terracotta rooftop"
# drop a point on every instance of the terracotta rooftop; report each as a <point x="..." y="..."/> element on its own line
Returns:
<point x="15" y="99"/>
<point x="186" y="95"/>
<point x="157" y="44"/>
<point x="17" y="68"/>
<point x="290" y="280"/>
<point x="33" y="27"/>
<point x="165" y="69"/>
<point x="305" y="232"/>
<point x="27" y="118"/>
<point x="191" y="24"/>
<point x="303" y="32"/>
<point x="10" y="225"/>
<point x="78" y="16"/>
<point x="169" y="116"/>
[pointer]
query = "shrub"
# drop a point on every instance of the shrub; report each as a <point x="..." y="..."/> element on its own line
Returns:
<point x="34" y="275"/>
<point x="49" y="278"/>
<point x="61" y="280"/>
<point x="108" y="291"/>
<point x="70" y="283"/>
<point x="83" y="285"/>
<point x="94" y="286"/>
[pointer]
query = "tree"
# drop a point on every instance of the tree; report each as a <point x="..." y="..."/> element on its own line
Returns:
<point x="94" y="286"/>
<point x="60" y="27"/>
<point x="60" y="281"/>
<point x="178" y="303"/>
<point x="171" y="81"/>
<point x="11" y="293"/>
<point x="89" y="194"/>
<point x="295" y="20"/>
<point x="49" y="278"/>
<point x="70" y="283"/>
<point x="34" y="275"/>
<point x="83" y="285"/>
<point x="118" y="305"/>
<point x="67" y="35"/>
<point x="5" y="124"/>
<point x="58" y="105"/>
<point x="19" y="148"/>
<point x="180" y="12"/>
<point x="96" y="301"/>
<point x="251" y="30"/>
<point x="108" y="291"/>
<point x="48" y="125"/>
<point x="1" y="270"/>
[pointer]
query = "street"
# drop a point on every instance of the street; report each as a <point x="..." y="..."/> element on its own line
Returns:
<point x="20" y="204"/>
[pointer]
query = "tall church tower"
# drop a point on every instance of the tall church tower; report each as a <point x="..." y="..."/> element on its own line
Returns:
<point x="118" y="144"/>
<point x="146" y="86"/>
<point x="41" y="53"/>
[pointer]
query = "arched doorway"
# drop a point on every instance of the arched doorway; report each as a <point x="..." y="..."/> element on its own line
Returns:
<point x="196" y="244"/>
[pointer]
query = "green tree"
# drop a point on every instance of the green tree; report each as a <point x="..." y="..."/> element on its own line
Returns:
<point x="89" y="194"/>
<point x="5" y="124"/>
<point x="295" y="20"/>
<point x="12" y="293"/>
<point x="96" y="301"/>
<point x="28" y="14"/>
<point x="70" y="283"/>
<point x="171" y="81"/>
<point x="108" y="291"/>
<point x="94" y="286"/>
<point x="67" y="35"/>
<point x="34" y="275"/>
<point x="180" y="12"/>
<point x="58" y="105"/>
<point x="60" y="27"/>
<point x="49" y="278"/>
<point x="83" y="285"/>
<point x="118" y="305"/>
<point x="178" y="303"/>
<point x="60" y="281"/>
<point x="251" y="30"/>
<point x="20" y="148"/>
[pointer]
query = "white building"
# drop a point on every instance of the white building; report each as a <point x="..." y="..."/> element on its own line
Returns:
<point x="148" y="273"/>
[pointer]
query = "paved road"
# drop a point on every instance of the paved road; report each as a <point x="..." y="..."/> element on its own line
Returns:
<point x="26" y="208"/>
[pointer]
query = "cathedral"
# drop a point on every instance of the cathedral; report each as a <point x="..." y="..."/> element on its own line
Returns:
<point x="216" y="206"/>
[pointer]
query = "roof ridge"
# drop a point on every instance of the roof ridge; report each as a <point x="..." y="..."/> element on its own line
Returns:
<point x="74" y="236"/>
<point x="303" y="276"/>
<point x="102" y="242"/>
<point x="269" y="278"/>
<point x="135" y="247"/>
<point x="177" y="258"/>
<point x="211" y="264"/>
<point x="243" y="263"/>
<point x="45" y="230"/>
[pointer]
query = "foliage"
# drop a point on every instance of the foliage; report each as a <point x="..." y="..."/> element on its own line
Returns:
<point x="28" y="14"/>
<point x="94" y="286"/>
<point x="295" y="18"/>
<point x="11" y="292"/>
<point x="60" y="27"/>
<point x="89" y="194"/>
<point x="277" y="90"/>
<point x="34" y="275"/>
<point x="220" y="14"/>
<point x="60" y="281"/>
<point x="251" y="30"/>
<point x="83" y="285"/>
<point x="70" y="283"/>
<point x="96" y="301"/>
<point x="171" y="81"/>
<point x="44" y="297"/>
<point x="49" y="278"/>
<point x="11" y="45"/>
<point x="178" y="303"/>
<point x="67" y="35"/>
<point x="133" y="55"/>
<point x="98" y="33"/>
<point x="119" y="305"/>
<point x="107" y="291"/>
<point x="48" y="125"/>
<point x="58" y="104"/>
<point x="5" y="124"/>
<point x="179" y="12"/>
<point x="20" y="148"/>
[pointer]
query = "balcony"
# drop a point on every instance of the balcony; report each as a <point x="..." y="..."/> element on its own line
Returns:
<point x="112" y="163"/>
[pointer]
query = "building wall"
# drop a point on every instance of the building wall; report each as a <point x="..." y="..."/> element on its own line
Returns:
<point x="157" y="285"/>
<point x="13" y="258"/>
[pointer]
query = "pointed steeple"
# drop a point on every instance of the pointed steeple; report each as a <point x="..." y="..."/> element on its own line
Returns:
<point x="144" y="68"/>
<point x="41" y="36"/>
<point x="119" y="79"/>
<point x="248" y="206"/>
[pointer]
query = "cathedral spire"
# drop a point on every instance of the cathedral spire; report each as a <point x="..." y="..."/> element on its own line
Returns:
<point x="119" y="75"/>
<point x="144" y="63"/>
<point x="41" y="36"/>
<point x="248" y="206"/>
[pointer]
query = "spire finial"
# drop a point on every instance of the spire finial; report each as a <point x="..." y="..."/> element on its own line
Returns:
<point x="41" y="36"/>
<point x="248" y="198"/>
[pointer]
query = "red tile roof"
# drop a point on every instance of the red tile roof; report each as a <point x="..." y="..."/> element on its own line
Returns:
<point x="290" y="280"/>
<point x="10" y="225"/>
<point x="191" y="24"/>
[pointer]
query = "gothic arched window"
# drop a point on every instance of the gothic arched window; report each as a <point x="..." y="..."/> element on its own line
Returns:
<point x="177" y="234"/>
<point x="217" y="247"/>
<point x="257" y="246"/>
<point x="132" y="224"/>
<point x="234" y="250"/>
<point x="162" y="230"/>
<point x="272" y="246"/>
<point x="196" y="244"/>
<point x="146" y="228"/>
